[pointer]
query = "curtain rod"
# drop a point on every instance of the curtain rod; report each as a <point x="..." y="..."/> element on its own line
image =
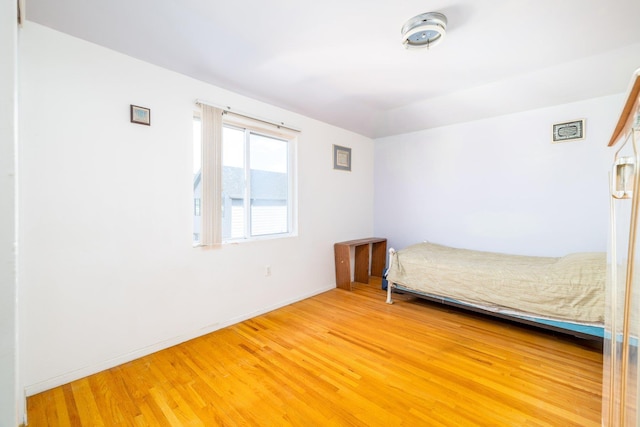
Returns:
<point x="228" y="109"/>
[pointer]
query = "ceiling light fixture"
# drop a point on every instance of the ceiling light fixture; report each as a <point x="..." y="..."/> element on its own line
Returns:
<point x="425" y="30"/>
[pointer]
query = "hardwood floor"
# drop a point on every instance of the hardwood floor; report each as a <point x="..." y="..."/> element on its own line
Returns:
<point x="345" y="359"/>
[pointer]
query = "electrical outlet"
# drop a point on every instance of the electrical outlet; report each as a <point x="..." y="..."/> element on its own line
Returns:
<point x="267" y="271"/>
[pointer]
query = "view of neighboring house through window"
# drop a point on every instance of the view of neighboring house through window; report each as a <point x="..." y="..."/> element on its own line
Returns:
<point x="197" y="178"/>
<point x="256" y="184"/>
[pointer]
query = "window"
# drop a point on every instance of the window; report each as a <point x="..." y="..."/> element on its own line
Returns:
<point x="257" y="182"/>
<point x="197" y="178"/>
<point x="196" y="207"/>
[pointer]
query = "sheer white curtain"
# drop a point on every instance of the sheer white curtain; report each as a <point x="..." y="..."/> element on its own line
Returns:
<point x="211" y="175"/>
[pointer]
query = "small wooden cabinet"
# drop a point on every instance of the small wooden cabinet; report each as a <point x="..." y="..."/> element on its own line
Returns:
<point x="364" y="266"/>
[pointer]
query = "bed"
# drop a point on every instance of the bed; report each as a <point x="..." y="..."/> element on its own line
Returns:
<point x="565" y="294"/>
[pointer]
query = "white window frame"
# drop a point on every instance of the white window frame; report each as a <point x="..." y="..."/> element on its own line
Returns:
<point x="268" y="129"/>
<point x="255" y="127"/>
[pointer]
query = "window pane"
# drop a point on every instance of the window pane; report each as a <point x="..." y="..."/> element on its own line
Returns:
<point x="232" y="147"/>
<point x="268" y="154"/>
<point x="197" y="178"/>
<point x="268" y="162"/>
<point x="237" y="219"/>
<point x="233" y="183"/>
<point x="270" y="218"/>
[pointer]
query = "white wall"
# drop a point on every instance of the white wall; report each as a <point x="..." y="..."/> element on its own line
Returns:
<point x="11" y="405"/>
<point x="499" y="184"/>
<point x="107" y="269"/>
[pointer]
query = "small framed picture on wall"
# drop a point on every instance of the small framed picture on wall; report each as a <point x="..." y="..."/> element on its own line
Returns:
<point x="140" y="115"/>
<point x="568" y="131"/>
<point x="341" y="158"/>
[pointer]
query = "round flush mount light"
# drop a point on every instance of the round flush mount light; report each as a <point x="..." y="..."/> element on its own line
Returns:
<point x="425" y="30"/>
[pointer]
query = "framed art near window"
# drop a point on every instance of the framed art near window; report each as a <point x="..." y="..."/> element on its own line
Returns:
<point x="140" y="115"/>
<point x="341" y="158"/>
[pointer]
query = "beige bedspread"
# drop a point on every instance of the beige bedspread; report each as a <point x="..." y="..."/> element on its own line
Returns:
<point x="567" y="288"/>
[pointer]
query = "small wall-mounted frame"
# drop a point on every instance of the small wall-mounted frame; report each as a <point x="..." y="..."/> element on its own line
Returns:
<point x="341" y="158"/>
<point x="140" y="115"/>
<point x="568" y="131"/>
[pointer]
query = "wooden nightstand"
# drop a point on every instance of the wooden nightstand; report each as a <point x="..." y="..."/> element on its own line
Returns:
<point x="363" y="268"/>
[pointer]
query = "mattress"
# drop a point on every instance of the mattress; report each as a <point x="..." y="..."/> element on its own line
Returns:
<point x="569" y="288"/>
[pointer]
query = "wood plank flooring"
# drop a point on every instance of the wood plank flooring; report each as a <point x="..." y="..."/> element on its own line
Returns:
<point x="345" y="359"/>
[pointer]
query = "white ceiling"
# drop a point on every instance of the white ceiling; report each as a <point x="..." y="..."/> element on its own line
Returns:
<point x="342" y="62"/>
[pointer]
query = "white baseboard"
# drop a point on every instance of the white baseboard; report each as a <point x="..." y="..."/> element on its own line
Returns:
<point x="68" y="377"/>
